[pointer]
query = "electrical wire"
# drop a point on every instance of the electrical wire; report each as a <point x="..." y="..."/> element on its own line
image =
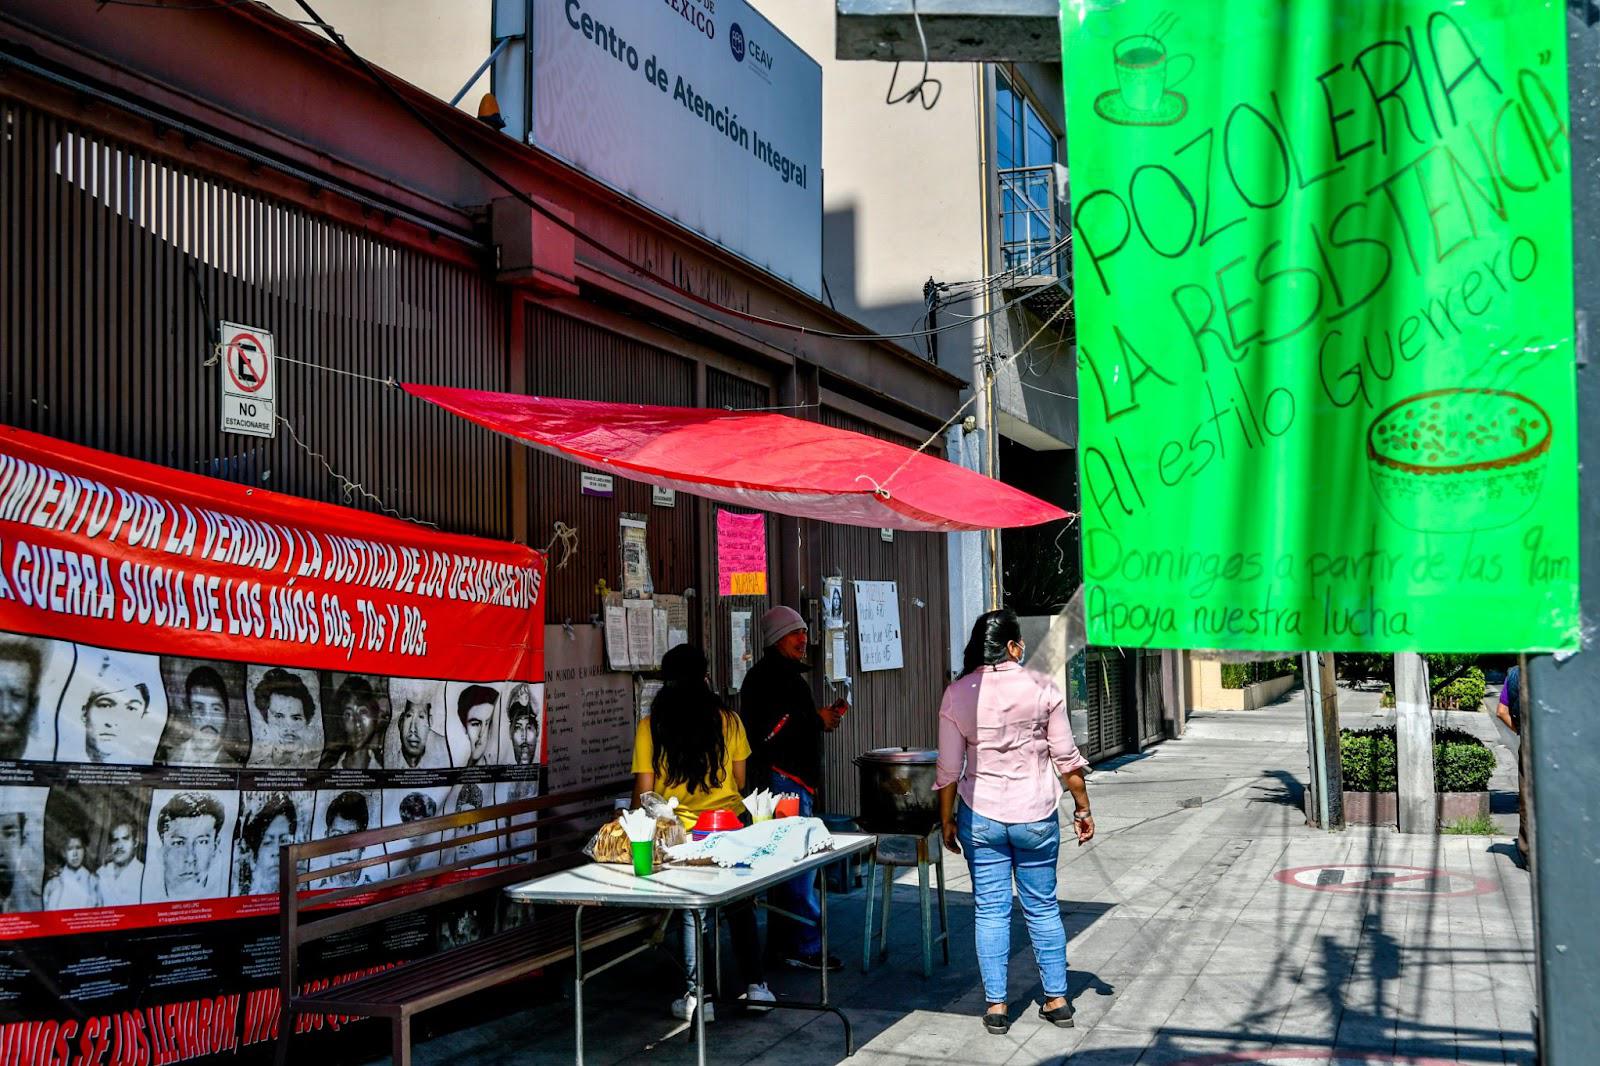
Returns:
<point x="349" y="486"/>
<point x="214" y="5"/>
<point x="882" y="488"/>
<point x="917" y="93"/>
<point x="1020" y="268"/>
<point x="1048" y="392"/>
<point x="588" y="239"/>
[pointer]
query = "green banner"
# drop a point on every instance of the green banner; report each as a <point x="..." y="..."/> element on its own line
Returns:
<point x="1322" y="258"/>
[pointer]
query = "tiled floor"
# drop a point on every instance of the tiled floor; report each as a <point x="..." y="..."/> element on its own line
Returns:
<point x="1184" y="945"/>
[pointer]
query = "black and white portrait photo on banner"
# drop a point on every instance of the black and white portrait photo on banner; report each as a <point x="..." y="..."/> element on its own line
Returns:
<point x="402" y="805"/>
<point x="268" y="823"/>
<point x="465" y="797"/>
<point x="510" y="792"/>
<point x="188" y="850"/>
<point x="208" y="722"/>
<point x="21" y="848"/>
<point x="415" y="739"/>
<point x="464" y="924"/>
<point x="474" y="723"/>
<point x="355" y="719"/>
<point x="342" y="812"/>
<point x="94" y="847"/>
<point x="524" y="724"/>
<point x="33" y="676"/>
<point x="114" y="710"/>
<point x="285" y="723"/>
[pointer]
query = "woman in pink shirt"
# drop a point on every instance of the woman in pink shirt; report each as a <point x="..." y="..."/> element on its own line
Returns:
<point x="1006" y="749"/>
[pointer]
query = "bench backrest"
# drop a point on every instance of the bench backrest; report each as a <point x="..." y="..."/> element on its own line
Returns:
<point x="522" y="839"/>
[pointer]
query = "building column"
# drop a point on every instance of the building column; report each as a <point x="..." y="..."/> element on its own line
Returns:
<point x="1413" y="730"/>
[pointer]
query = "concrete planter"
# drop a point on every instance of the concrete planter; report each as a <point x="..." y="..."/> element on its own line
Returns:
<point x="1207" y="693"/>
<point x="1383" y="808"/>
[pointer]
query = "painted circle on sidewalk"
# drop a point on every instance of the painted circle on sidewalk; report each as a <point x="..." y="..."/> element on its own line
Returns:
<point x="1312" y="1057"/>
<point x="1387" y="879"/>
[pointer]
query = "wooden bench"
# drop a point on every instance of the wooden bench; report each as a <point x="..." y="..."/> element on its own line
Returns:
<point x="560" y="824"/>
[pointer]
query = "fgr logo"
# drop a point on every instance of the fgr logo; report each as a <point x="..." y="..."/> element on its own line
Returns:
<point x="736" y="41"/>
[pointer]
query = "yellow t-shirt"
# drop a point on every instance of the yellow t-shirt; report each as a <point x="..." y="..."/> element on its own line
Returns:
<point x="723" y="794"/>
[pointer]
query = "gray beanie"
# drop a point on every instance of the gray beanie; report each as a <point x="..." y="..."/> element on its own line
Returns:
<point x="779" y="623"/>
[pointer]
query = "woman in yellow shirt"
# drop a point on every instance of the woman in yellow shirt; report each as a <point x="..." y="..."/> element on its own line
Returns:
<point x="692" y="748"/>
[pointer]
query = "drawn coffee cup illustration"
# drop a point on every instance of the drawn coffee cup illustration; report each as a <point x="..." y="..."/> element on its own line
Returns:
<point x="1147" y="75"/>
<point x="1459" y="460"/>
<point x="1145" y="71"/>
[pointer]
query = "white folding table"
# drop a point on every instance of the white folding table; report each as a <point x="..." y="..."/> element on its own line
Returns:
<point x="696" y="889"/>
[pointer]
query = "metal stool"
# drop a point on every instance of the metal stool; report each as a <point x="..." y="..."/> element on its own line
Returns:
<point x="893" y="852"/>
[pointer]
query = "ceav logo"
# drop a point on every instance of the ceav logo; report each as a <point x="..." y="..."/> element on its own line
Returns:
<point x="736" y="41"/>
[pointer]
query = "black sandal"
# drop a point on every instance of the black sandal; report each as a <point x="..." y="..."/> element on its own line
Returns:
<point x="1060" y="1017"/>
<point x="997" y="1022"/>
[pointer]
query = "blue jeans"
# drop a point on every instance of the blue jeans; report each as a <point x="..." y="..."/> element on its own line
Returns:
<point x="997" y="851"/>
<point x="785" y="938"/>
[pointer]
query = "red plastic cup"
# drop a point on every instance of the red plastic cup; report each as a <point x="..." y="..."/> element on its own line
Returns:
<point x="787" y="807"/>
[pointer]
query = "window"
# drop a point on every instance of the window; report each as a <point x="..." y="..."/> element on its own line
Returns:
<point x="1026" y="149"/>
<point x="1022" y="137"/>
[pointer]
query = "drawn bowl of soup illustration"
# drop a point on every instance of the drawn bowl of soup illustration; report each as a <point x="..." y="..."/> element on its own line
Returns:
<point x="1459" y="460"/>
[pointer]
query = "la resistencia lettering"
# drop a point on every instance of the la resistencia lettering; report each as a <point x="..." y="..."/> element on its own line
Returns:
<point x="1454" y="149"/>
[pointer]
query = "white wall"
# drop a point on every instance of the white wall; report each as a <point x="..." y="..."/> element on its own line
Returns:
<point x="901" y="185"/>
<point x="433" y="44"/>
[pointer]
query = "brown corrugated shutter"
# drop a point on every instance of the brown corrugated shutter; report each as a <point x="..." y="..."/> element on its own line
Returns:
<point x="117" y="266"/>
<point x="890" y="707"/>
<point x="727" y="390"/>
<point x="579" y="360"/>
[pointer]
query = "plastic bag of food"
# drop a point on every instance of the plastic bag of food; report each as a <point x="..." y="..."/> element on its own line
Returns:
<point x="669" y="831"/>
<point x="610" y="844"/>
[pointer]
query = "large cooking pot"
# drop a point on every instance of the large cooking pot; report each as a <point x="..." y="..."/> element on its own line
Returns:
<point x="897" y="791"/>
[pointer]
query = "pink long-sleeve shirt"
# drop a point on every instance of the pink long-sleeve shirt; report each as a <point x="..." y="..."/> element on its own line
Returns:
<point x="1004" y="736"/>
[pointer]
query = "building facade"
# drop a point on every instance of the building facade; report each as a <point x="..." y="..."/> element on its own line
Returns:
<point x="150" y="192"/>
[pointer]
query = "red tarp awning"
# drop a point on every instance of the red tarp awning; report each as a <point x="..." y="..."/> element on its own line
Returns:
<point x="755" y="459"/>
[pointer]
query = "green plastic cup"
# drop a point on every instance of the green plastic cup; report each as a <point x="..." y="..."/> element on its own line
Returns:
<point x="644" y="857"/>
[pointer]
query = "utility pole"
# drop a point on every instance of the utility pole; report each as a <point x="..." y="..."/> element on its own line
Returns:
<point x="1325" y="806"/>
<point x="1561" y="716"/>
<point x="1413" y="738"/>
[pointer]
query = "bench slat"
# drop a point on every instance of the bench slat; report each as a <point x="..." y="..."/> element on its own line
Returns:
<point x="438" y="979"/>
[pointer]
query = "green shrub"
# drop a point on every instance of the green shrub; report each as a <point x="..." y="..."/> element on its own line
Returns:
<point x="1465" y="693"/>
<point x="1370" y="764"/>
<point x="1242" y="675"/>
<point x="1368" y="758"/>
<point x="1461" y="767"/>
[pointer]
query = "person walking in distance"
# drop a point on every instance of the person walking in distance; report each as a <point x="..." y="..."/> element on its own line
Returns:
<point x="1509" y="711"/>
<point x="785" y="727"/>
<point x="1006" y="752"/>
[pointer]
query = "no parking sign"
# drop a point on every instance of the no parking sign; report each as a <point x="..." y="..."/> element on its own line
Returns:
<point x="249" y="381"/>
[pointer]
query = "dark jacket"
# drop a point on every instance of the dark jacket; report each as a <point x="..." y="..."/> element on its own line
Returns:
<point x="781" y="720"/>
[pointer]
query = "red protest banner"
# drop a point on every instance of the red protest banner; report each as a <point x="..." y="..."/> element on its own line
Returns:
<point x="104" y="550"/>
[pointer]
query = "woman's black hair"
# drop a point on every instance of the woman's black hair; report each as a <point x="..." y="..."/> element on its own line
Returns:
<point x="686" y="722"/>
<point x="990" y="635"/>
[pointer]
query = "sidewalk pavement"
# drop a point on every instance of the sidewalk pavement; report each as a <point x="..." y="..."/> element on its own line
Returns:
<point x="1207" y="924"/>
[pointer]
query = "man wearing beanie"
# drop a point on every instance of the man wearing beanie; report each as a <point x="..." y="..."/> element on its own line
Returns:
<point x="785" y="728"/>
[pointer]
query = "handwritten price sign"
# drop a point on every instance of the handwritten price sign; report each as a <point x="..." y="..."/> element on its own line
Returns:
<point x="741" y="554"/>
<point x="1323" y="272"/>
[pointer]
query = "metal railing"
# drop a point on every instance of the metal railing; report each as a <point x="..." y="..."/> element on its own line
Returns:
<point x="1033" y="222"/>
